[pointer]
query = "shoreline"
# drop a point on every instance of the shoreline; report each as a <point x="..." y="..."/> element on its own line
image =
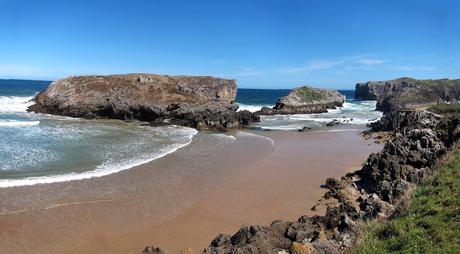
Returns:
<point x="68" y="177"/>
<point x="181" y="189"/>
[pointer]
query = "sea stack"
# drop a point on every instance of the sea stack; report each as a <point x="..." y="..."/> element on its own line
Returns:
<point x="200" y="102"/>
<point x="306" y="100"/>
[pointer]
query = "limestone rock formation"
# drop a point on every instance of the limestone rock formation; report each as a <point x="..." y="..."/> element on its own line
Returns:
<point x="199" y="102"/>
<point x="305" y="100"/>
<point x="408" y="93"/>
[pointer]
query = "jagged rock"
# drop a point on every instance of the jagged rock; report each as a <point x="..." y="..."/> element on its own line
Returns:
<point x="305" y="100"/>
<point x="399" y="160"/>
<point x="252" y="239"/>
<point x="221" y="240"/>
<point x="304" y="129"/>
<point x="398" y="121"/>
<point x="333" y="122"/>
<point x="333" y="183"/>
<point x="302" y="248"/>
<point x="408" y="93"/>
<point x="199" y="102"/>
<point x="326" y="247"/>
<point x="154" y="250"/>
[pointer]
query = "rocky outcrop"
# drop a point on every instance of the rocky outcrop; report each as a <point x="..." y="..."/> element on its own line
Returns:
<point x="398" y="121"/>
<point x="408" y="93"/>
<point x="420" y="141"/>
<point x="305" y="100"/>
<point x="199" y="102"/>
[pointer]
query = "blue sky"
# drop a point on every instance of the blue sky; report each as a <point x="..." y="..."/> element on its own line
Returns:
<point x="262" y="44"/>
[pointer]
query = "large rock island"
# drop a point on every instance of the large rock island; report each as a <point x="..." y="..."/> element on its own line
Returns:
<point x="200" y="102"/>
<point x="408" y="93"/>
<point x="306" y="100"/>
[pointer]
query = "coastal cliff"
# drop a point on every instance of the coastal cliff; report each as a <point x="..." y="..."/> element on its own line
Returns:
<point x="200" y="102"/>
<point x="408" y="93"/>
<point x="305" y="100"/>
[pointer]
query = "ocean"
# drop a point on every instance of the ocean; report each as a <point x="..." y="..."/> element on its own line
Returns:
<point x="39" y="148"/>
<point x="354" y="112"/>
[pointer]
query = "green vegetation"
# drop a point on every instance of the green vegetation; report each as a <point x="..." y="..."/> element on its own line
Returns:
<point x="445" y="108"/>
<point x="310" y="94"/>
<point x="449" y="83"/>
<point x="431" y="224"/>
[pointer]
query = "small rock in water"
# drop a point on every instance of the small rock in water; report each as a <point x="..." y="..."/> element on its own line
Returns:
<point x="304" y="129"/>
<point x="333" y="122"/>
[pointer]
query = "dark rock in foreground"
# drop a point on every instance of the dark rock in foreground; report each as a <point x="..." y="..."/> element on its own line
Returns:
<point x="199" y="102"/>
<point x="305" y="100"/>
<point x="408" y="93"/>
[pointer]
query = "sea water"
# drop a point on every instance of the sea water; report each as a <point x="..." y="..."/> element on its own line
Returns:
<point x="39" y="148"/>
<point x="353" y="112"/>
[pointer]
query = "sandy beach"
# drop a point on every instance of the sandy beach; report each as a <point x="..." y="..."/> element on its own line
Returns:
<point x="214" y="185"/>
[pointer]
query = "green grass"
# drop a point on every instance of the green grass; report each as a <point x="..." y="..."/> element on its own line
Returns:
<point x="432" y="221"/>
<point x="309" y="94"/>
<point x="445" y="108"/>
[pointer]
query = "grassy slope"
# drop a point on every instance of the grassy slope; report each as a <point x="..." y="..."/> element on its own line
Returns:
<point x="446" y="108"/>
<point x="431" y="224"/>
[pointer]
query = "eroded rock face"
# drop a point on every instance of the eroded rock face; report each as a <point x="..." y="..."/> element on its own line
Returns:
<point x="199" y="102"/>
<point x="408" y="93"/>
<point x="398" y="121"/>
<point x="305" y="100"/>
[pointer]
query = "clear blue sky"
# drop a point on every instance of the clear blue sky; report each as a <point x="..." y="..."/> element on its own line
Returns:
<point x="262" y="44"/>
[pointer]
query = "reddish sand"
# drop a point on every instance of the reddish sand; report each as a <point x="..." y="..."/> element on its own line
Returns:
<point x="183" y="200"/>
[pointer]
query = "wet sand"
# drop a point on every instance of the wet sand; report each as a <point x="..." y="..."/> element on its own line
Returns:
<point x="183" y="200"/>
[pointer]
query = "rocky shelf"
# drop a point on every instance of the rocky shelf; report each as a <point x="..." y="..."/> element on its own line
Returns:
<point x="200" y="102"/>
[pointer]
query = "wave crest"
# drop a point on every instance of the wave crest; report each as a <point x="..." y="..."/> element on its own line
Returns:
<point x="15" y="103"/>
<point x="13" y="123"/>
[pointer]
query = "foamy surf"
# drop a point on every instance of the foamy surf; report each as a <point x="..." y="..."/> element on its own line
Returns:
<point x="352" y="113"/>
<point x="15" y="103"/>
<point x="252" y="108"/>
<point x="101" y="170"/>
<point x="224" y="136"/>
<point x="13" y="123"/>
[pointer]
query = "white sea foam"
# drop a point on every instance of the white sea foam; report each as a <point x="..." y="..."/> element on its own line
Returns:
<point x="285" y="127"/>
<point x="224" y="136"/>
<point x="15" y="103"/>
<point x="252" y="108"/>
<point x="249" y="134"/>
<point x="351" y="113"/>
<point x="101" y="170"/>
<point x="13" y="123"/>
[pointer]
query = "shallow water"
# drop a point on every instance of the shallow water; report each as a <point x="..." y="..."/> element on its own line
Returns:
<point x="38" y="148"/>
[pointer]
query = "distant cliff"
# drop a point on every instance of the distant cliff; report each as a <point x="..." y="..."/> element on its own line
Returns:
<point x="199" y="102"/>
<point x="408" y="93"/>
<point x="305" y="100"/>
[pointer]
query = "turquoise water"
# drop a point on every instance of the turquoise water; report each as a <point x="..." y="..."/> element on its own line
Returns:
<point x="38" y="148"/>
